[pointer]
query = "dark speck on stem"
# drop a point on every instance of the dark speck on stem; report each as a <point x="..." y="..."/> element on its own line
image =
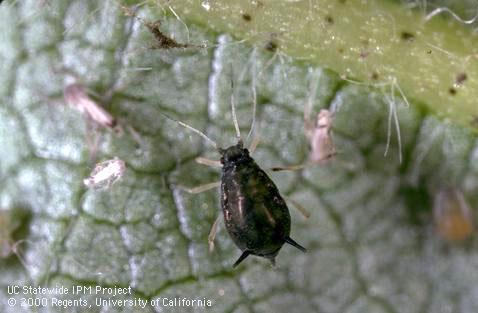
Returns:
<point x="407" y="36"/>
<point x="246" y="17"/>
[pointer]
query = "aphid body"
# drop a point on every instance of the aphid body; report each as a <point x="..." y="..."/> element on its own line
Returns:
<point x="320" y="137"/>
<point x="255" y="215"/>
<point x="453" y="217"/>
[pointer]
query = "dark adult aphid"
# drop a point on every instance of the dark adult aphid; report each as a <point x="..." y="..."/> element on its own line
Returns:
<point x="255" y="214"/>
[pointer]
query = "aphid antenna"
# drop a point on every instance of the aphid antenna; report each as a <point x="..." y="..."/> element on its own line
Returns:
<point x="233" y="110"/>
<point x="254" y="94"/>
<point x="16" y="251"/>
<point x="200" y="133"/>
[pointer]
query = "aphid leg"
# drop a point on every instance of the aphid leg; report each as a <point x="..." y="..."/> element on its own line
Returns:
<point x="208" y="162"/>
<point x="289" y="168"/>
<point x="200" y="133"/>
<point x="309" y="123"/>
<point x="136" y="137"/>
<point x="299" y="207"/>
<point x="93" y="138"/>
<point x="212" y="233"/>
<point x="243" y="256"/>
<point x="16" y="251"/>
<point x="295" y="244"/>
<point x="273" y="261"/>
<point x="268" y="64"/>
<point x="201" y="188"/>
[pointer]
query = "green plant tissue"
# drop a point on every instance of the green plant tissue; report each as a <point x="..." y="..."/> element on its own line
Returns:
<point x="372" y="242"/>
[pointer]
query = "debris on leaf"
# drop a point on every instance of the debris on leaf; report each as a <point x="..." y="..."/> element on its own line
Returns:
<point x="162" y="41"/>
<point x="105" y="174"/>
<point x="76" y="96"/>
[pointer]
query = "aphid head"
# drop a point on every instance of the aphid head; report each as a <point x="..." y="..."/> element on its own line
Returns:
<point x="234" y="154"/>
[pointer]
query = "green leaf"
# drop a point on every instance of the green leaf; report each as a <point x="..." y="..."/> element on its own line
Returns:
<point x="433" y="61"/>
<point x="372" y="243"/>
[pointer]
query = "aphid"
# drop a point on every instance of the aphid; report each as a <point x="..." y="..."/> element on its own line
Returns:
<point x="320" y="137"/>
<point x="318" y="132"/>
<point x="453" y="217"/>
<point x="105" y="174"/>
<point x="255" y="214"/>
<point x="76" y="96"/>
